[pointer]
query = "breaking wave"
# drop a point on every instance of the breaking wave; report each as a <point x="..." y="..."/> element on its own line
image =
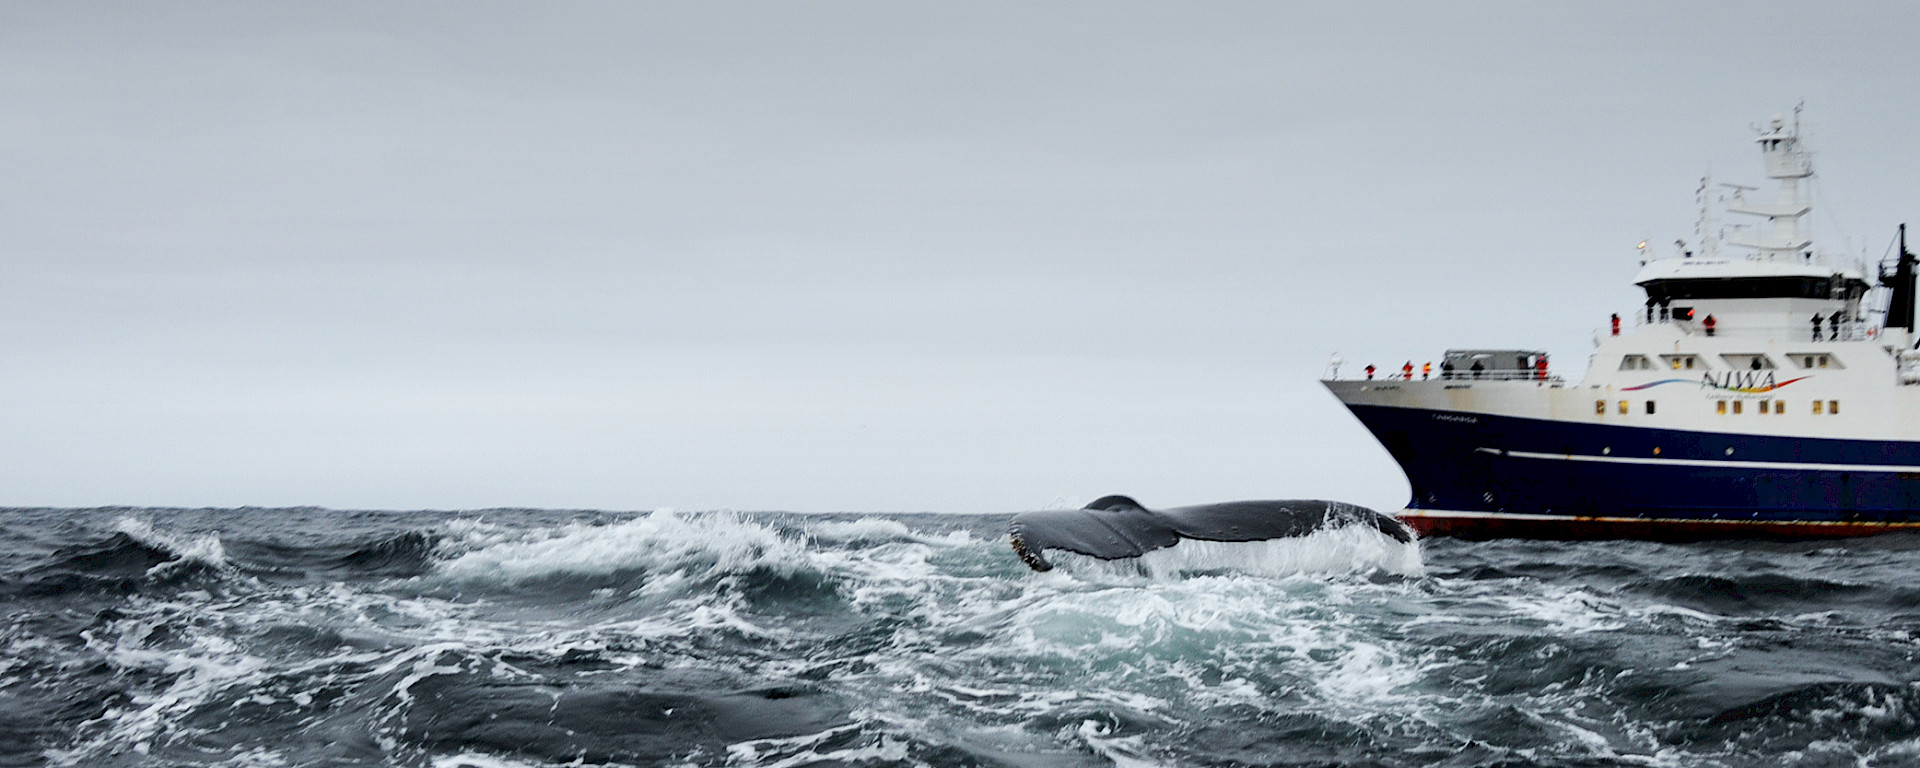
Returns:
<point x="656" y="553"/>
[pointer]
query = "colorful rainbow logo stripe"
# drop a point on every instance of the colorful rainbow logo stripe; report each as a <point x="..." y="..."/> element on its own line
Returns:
<point x="1708" y="382"/>
<point x="1654" y="384"/>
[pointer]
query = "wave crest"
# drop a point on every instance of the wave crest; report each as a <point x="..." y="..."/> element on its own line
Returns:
<point x="205" y="550"/>
<point x="133" y="558"/>
<point x="665" y="542"/>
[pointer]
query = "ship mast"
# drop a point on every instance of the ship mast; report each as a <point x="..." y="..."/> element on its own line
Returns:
<point x="1785" y="237"/>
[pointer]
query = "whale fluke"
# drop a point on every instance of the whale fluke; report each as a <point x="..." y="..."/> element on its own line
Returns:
<point x="1114" y="527"/>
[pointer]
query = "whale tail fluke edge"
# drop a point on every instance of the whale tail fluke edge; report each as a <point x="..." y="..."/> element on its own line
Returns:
<point x="1115" y="527"/>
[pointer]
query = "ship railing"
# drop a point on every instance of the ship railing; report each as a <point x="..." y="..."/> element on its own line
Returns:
<point x="1506" y="375"/>
<point x="1470" y="376"/>
<point x="1848" y="331"/>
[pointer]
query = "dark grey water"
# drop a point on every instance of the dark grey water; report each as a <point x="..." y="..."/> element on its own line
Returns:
<point x="530" y="638"/>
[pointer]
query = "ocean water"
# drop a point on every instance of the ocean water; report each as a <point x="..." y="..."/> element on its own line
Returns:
<point x="274" y="637"/>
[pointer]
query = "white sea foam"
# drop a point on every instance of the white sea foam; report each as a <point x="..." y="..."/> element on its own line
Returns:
<point x="814" y="749"/>
<point x="1569" y="610"/>
<point x="1227" y="639"/>
<point x="479" y="760"/>
<point x="1346" y="549"/>
<point x="863" y="530"/>
<point x="1123" y="752"/>
<point x="1364" y="671"/>
<point x="661" y="542"/>
<point x="466" y="534"/>
<point x="209" y="663"/>
<point x="258" y="757"/>
<point x="206" y="549"/>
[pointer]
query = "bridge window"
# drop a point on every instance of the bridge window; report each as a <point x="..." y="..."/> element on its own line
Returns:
<point x="1636" y="363"/>
<point x="1682" y="362"/>
<point x="1666" y="291"/>
<point x="1814" y="360"/>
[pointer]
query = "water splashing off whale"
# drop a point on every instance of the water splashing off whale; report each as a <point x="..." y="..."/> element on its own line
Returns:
<point x="1115" y="527"/>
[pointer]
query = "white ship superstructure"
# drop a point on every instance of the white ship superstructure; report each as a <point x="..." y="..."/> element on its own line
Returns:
<point x="1753" y="393"/>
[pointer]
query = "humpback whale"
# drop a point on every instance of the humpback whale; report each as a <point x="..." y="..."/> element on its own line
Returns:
<point x="1114" y="527"/>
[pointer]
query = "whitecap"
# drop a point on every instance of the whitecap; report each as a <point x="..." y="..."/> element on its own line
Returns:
<point x="659" y="542"/>
<point x="206" y="550"/>
<point x="863" y="530"/>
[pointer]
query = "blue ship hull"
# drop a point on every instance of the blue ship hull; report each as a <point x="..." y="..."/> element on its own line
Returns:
<point x="1476" y="475"/>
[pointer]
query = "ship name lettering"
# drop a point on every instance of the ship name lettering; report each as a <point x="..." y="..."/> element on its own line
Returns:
<point x="1738" y="380"/>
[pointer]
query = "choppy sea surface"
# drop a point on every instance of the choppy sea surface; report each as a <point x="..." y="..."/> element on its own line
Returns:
<point x="303" y="637"/>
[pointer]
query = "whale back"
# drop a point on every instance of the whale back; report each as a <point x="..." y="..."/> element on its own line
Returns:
<point x="1114" y="503"/>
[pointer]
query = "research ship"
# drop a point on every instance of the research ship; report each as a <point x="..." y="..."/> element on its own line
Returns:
<point x="1767" y="388"/>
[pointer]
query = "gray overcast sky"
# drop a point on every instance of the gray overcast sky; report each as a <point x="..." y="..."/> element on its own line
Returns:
<point x="961" y="257"/>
